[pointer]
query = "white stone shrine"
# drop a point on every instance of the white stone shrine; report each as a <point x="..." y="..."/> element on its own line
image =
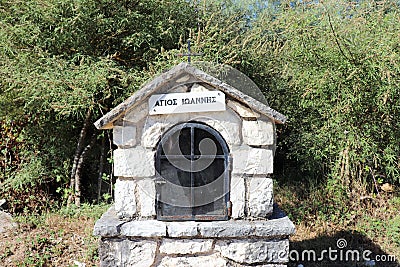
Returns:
<point x="193" y="166"/>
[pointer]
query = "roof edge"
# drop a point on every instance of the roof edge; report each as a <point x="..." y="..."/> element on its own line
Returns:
<point x="238" y="95"/>
<point x="106" y="121"/>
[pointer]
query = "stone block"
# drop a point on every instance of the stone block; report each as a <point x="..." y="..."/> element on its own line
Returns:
<point x="125" y="200"/>
<point x="147" y="195"/>
<point x="108" y="225"/>
<point x="198" y="88"/>
<point x="258" y="133"/>
<point x="134" y="162"/>
<point x="152" y="131"/>
<point x="117" y="252"/>
<point x="148" y="228"/>
<point x="243" y="111"/>
<point x="225" y="229"/>
<point x="273" y="227"/>
<point x="181" y="88"/>
<point x="207" y="260"/>
<point x="137" y="113"/>
<point x="182" y="229"/>
<point x="183" y="79"/>
<point x="261" y="200"/>
<point x="156" y="125"/>
<point x="124" y="136"/>
<point x="185" y="246"/>
<point x="237" y="196"/>
<point x="227" y="123"/>
<point x="252" y="251"/>
<point x="250" y="160"/>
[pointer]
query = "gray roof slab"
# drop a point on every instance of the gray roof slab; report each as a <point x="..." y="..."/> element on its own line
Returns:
<point x="106" y="122"/>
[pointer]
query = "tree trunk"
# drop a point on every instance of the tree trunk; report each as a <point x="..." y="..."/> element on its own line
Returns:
<point x="110" y="142"/>
<point x="77" y="195"/>
<point x="101" y="169"/>
<point x="77" y="156"/>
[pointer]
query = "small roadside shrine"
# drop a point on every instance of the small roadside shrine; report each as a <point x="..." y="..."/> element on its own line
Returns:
<point x="193" y="166"/>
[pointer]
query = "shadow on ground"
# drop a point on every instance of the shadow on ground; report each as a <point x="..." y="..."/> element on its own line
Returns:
<point x="344" y="249"/>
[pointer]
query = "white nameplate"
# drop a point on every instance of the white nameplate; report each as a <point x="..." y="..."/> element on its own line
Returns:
<point x="187" y="102"/>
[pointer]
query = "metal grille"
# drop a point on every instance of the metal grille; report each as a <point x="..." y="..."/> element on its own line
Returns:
<point x="193" y="174"/>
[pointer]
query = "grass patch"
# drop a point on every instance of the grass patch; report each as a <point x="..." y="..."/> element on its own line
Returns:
<point x="63" y="236"/>
<point x="57" y="238"/>
<point x="366" y="223"/>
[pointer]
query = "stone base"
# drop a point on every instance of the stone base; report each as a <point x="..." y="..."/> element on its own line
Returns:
<point x="220" y="243"/>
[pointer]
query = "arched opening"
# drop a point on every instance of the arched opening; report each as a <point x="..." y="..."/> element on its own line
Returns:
<point x="193" y="174"/>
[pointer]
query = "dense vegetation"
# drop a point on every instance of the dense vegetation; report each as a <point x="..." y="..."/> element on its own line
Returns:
<point x="332" y="67"/>
<point x="63" y="64"/>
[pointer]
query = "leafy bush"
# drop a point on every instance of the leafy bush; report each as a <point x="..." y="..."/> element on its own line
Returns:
<point x="335" y="74"/>
<point x="63" y="64"/>
<point x="332" y="67"/>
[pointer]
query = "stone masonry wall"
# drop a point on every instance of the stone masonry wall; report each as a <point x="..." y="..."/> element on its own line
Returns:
<point x="249" y="136"/>
<point x="171" y="252"/>
<point x="149" y="243"/>
<point x="257" y="232"/>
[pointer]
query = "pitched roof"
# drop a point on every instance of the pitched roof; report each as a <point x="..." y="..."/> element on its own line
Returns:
<point x="138" y="97"/>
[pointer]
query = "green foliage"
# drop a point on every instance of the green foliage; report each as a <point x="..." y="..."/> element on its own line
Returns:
<point x="7" y="253"/>
<point x="384" y="226"/>
<point x="39" y="253"/>
<point x="58" y="60"/>
<point x="334" y="70"/>
<point x="332" y="67"/>
<point x="86" y="210"/>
